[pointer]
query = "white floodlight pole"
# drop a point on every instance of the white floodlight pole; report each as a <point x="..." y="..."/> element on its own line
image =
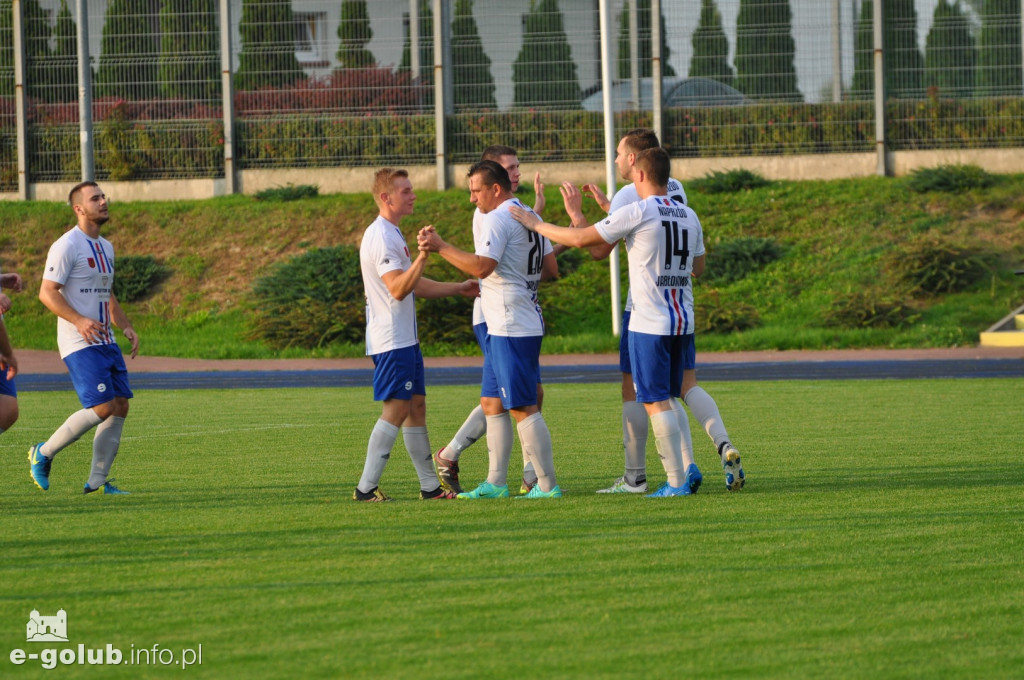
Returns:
<point x="604" y="9"/>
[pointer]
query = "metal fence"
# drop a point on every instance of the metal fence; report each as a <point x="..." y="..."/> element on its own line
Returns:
<point x="328" y="83"/>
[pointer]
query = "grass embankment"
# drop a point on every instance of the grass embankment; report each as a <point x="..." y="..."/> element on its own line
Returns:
<point x="838" y="237"/>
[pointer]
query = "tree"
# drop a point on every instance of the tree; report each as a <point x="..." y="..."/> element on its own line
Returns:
<point x="64" y="59"/>
<point x="267" y="57"/>
<point x="643" y="30"/>
<point x="474" y="84"/>
<point x="710" y="47"/>
<point x="189" y="65"/>
<point x="129" y="51"/>
<point x="544" y="74"/>
<point x="999" y="46"/>
<point x="904" y="63"/>
<point x="765" y="50"/>
<point x="426" y="38"/>
<point x="354" y="33"/>
<point x="424" y="79"/>
<point x="902" y="59"/>
<point x="864" y="53"/>
<point x="949" y="52"/>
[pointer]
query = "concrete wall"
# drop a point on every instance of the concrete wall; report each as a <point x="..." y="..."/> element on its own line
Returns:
<point x="357" y="180"/>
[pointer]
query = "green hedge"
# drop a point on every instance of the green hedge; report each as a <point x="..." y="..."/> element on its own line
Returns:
<point x="128" y="148"/>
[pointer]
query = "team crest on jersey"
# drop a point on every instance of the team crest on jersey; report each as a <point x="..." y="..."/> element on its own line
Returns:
<point x="92" y="263"/>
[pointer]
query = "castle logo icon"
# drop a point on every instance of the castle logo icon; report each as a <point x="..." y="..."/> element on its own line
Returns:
<point x="47" y="628"/>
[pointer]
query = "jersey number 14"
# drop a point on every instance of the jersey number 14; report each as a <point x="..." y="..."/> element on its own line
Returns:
<point x="677" y="243"/>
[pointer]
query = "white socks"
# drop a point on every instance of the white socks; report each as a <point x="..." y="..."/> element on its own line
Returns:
<point x="378" y="450"/>
<point x="536" y="440"/>
<point x="667" y="439"/>
<point x="634" y="440"/>
<point x="705" y="410"/>
<point x="418" y="445"/>
<point x="499" y="448"/>
<point x="77" y="424"/>
<point x="105" y="444"/>
<point x="474" y="427"/>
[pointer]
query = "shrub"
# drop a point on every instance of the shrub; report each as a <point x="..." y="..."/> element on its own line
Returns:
<point x="732" y="260"/>
<point x="930" y="265"/>
<point x="288" y="193"/>
<point x="950" y="178"/>
<point x="135" y="276"/>
<point x="446" y="320"/>
<point x="714" y="315"/>
<point x="311" y="300"/>
<point x="869" y="308"/>
<point x="728" y="182"/>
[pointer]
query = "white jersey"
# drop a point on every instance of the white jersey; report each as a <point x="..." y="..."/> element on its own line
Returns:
<point x="478" y="308"/>
<point x="627" y="195"/>
<point x="84" y="268"/>
<point x="662" y="237"/>
<point x="390" y="323"/>
<point x="509" y="295"/>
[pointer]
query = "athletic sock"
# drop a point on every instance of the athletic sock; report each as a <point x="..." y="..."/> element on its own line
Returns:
<point x="705" y="410"/>
<point x="667" y="439"/>
<point x="634" y="440"/>
<point x="686" y="441"/>
<point x="499" y="448"/>
<point x="474" y="427"/>
<point x="77" y="424"/>
<point x="417" y="443"/>
<point x="378" y="450"/>
<point x="536" y="438"/>
<point x="105" y="444"/>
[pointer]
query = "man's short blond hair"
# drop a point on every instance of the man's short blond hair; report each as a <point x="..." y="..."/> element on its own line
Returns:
<point x="384" y="179"/>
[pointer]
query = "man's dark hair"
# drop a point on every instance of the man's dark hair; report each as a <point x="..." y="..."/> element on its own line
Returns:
<point x="76" y="190"/>
<point x="655" y="164"/>
<point x="491" y="173"/>
<point x="639" y="139"/>
<point x="496" y="151"/>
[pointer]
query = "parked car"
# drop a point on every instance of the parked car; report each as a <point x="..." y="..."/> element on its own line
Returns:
<point x="675" y="92"/>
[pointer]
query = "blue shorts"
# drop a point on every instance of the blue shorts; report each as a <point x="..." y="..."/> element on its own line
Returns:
<point x="480" y="331"/>
<point x="624" y="365"/>
<point x="398" y="374"/>
<point x="7" y="386"/>
<point x="98" y="374"/>
<point x="658" y="364"/>
<point x="512" y="370"/>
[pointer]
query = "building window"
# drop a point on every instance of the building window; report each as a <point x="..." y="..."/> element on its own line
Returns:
<point x="309" y="37"/>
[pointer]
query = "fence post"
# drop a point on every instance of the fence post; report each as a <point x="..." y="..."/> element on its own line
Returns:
<point x="442" y="86"/>
<point x="837" y="52"/>
<point x="227" y="97"/>
<point x="879" y="64"/>
<point x="19" y="100"/>
<point x="85" y="127"/>
<point x="656" y="70"/>
<point x="634" y="55"/>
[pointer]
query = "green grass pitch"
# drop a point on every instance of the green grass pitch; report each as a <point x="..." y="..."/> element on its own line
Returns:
<point x="880" y="535"/>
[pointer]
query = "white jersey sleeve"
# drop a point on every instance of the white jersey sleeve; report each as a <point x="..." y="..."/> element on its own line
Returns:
<point x="509" y="295"/>
<point x="390" y="323"/>
<point x="84" y="268"/>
